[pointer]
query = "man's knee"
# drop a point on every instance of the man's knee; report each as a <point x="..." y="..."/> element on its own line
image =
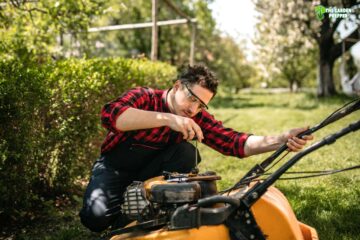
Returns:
<point x="94" y="217"/>
<point x="93" y="214"/>
<point x="92" y="222"/>
<point x="97" y="219"/>
<point x="102" y="197"/>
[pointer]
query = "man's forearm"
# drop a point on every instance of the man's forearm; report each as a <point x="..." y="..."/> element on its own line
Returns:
<point x="261" y="144"/>
<point x="134" y="119"/>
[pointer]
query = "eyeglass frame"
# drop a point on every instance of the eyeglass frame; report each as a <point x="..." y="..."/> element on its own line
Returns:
<point x="192" y="94"/>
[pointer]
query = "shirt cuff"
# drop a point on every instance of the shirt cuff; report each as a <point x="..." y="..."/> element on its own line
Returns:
<point x="114" y="115"/>
<point x="241" y="144"/>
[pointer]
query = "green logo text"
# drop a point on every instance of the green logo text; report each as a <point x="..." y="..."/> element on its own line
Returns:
<point x="320" y="11"/>
<point x="333" y="12"/>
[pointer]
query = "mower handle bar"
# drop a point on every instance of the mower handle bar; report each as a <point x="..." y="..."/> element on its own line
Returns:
<point x="338" y="114"/>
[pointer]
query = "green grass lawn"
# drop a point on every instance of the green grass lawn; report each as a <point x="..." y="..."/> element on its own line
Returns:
<point x="330" y="204"/>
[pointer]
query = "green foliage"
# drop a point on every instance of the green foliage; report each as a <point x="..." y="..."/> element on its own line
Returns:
<point x="42" y="30"/>
<point x="221" y="54"/>
<point x="290" y="31"/>
<point x="50" y="129"/>
<point x="38" y="28"/>
<point x="285" y="52"/>
<point x="230" y="62"/>
<point x="22" y="95"/>
<point x="174" y="40"/>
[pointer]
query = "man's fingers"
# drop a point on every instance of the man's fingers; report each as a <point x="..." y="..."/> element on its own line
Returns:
<point x="294" y="146"/>
<point x="308" y="137"/>
<point x="185" y="133"/>
<point x="190" y="129"/>
<point x="299" y="141"/>
<point x="199" y="135"/>
<point x="198" y="132"/>
<point x="191" y="134"/>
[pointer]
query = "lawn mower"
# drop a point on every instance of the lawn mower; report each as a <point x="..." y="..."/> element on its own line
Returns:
<point x="189" y="206"/>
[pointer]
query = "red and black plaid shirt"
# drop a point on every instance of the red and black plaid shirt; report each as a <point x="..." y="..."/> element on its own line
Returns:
<point x="216" y="136"/>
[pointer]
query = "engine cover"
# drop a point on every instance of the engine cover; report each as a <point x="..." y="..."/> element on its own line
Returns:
<point x="185" y="192"/>
<point x="161" y="195"/>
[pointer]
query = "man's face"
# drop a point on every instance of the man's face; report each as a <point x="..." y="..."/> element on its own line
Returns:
<point x="188" y="100"/>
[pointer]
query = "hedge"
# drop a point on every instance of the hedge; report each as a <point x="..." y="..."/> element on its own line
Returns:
<point x="50" y="121"/>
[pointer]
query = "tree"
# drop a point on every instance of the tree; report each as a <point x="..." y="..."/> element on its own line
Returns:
<point x="297" y="63"/>
<point x="60" y="29"/>
<point x="221" y="54"/>
<point x="229" y="60"/>
<point x="284" y="55"/>
<point x="37" y="28"/>
<point x="330" y="50"/>
<point x="301" y="15"/>
<point x="174" y="40"/>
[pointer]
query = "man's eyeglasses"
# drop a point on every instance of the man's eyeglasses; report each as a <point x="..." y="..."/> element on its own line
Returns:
<point x="195" y="99"/>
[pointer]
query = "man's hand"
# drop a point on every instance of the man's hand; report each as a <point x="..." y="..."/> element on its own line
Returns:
<point x="294" y="143"/>
<point x="186" y="126"/>
<point x="261" y="144"/>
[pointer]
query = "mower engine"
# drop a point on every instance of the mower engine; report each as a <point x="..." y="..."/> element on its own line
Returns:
<point x="160" y="196"/>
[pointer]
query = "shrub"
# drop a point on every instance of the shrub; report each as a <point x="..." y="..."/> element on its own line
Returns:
<point x="50" y="120"/>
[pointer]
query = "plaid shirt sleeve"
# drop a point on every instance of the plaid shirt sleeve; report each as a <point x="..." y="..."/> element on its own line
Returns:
<point x="135" y="98"/>
<point x="222" y="139"/>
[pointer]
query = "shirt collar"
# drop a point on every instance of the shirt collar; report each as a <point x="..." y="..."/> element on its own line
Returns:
<point x="164" y="100"/>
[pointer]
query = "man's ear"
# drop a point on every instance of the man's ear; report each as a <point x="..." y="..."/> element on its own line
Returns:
<point x="177" y="85"/>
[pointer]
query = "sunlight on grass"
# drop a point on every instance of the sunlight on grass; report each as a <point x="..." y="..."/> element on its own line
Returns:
<point x="330" y="203"/>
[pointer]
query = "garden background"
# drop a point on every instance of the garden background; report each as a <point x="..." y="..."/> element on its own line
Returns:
<point x="55" y="74"/>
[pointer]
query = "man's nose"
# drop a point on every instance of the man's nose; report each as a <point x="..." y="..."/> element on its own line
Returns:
<point x="194" y="107"/>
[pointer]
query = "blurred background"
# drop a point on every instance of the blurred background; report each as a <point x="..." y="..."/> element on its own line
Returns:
<point x="248" y="43"/>
<point x="281" y="64"/>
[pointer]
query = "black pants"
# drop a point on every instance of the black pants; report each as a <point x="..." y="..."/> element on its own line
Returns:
<point x="114" y="171"/>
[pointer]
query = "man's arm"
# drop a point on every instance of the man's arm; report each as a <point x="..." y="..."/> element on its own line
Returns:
<point x="261" y="144"/>
<point x="135" y="119"/>
<point x="130" y="112"/>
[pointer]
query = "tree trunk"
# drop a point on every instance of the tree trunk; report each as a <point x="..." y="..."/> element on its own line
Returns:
<point x="325" y="79"/>
<point x="294" y="85"/>
<point x="326" y="85"/>
<point x="291" y="86"/>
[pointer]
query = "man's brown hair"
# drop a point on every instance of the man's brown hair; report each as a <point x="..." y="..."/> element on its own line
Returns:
<point x="199" y="74"/>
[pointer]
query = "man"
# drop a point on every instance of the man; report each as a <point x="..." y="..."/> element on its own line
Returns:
<point x="148" y="133"/>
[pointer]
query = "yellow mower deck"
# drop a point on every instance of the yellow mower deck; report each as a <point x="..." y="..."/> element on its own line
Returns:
<point x="272" y="212"/>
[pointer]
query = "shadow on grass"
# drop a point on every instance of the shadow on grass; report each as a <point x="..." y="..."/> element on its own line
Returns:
<point x="335" y="99"/>
<point x="334" y="214"/>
